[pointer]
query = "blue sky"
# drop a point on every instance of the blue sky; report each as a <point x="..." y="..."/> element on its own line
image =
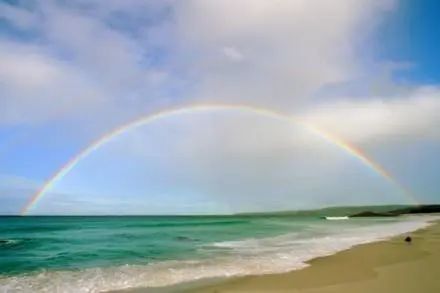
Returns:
<point x="411" y="36"/>
<point x="71" y="71"/>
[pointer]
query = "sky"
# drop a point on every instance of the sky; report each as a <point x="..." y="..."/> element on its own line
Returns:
<point x="72" y="71"/>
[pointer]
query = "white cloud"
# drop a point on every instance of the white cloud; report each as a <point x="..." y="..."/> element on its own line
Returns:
<point x="27" y="70"/>
<point x="292" y="48"/>
<point x="36" y="87"/>
<point x="414" y="116"/>
<point x="233" y="54"/>
<point x="119" y="59"/>
<point x="74" y="65"/>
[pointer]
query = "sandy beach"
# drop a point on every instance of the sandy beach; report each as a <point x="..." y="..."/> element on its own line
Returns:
<point x="387" y="266"/>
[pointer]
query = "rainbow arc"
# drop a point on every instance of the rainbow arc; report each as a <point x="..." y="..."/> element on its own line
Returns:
<point x="349" y="148"/>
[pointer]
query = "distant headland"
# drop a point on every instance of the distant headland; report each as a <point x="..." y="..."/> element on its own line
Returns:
<point x="357" y="211"/>
<point x="421" y="209"/>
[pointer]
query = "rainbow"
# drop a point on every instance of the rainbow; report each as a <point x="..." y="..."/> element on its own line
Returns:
<point x="191" y="109"/>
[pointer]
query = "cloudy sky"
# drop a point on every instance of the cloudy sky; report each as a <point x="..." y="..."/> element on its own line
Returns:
<point x="71" y="71"/>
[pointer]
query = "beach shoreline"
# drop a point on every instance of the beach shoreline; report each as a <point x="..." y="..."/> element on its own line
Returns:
<point x="390" y="265"/>
<point x="384" y="266"/>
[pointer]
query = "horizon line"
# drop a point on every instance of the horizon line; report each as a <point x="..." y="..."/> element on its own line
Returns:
<point x="224" y="214"/>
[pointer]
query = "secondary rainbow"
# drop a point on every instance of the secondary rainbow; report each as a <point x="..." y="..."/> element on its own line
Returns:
<point x="149" y="118"/>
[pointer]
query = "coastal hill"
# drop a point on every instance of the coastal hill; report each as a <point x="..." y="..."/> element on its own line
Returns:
<point x="421" y="209"/>
<point x="355" y="211"/>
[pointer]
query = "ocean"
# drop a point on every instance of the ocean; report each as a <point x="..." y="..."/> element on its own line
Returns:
<point x="94" y="254"/>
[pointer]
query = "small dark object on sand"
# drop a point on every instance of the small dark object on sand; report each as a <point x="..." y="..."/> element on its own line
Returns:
<point x="408" y="239"/>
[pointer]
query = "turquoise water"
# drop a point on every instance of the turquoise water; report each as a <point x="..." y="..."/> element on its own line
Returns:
<point x="90" y="254"/>
<point x="33" y="243"/>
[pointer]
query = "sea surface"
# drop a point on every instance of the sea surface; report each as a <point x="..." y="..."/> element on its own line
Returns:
<point x="94" y="254"/>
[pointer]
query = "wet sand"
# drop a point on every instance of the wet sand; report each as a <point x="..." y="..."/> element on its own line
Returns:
<point x="387" y="266"/>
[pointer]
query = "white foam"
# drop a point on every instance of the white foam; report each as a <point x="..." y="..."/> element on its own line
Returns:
<point x="247" y="257"/>
<point x="8" y="241"/>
